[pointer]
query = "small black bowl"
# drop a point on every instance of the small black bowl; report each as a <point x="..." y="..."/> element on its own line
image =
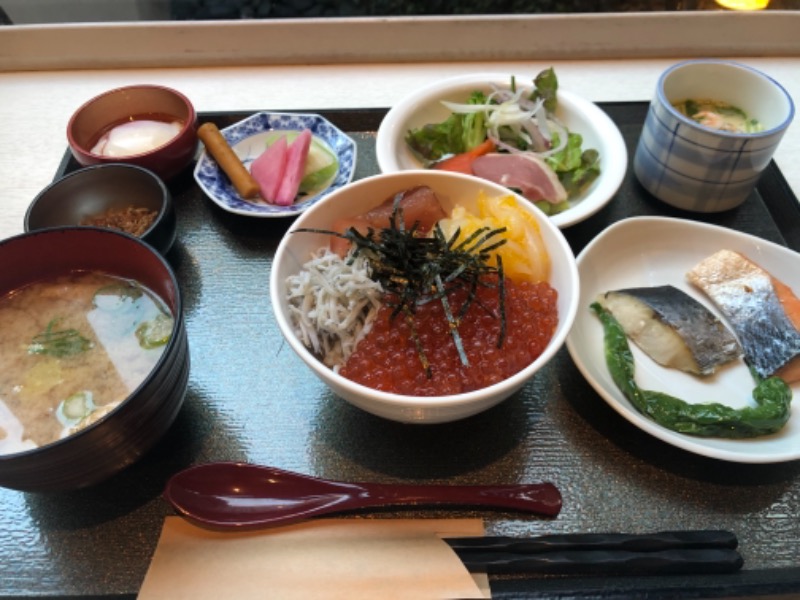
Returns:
<point x="93" y="191"/>
<point x="122" y="436"/>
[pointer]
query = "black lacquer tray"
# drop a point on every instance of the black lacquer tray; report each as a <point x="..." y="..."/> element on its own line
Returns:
<point x="251" y="399"/>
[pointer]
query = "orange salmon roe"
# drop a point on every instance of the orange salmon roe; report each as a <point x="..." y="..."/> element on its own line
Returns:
<point x="387" y="358"/>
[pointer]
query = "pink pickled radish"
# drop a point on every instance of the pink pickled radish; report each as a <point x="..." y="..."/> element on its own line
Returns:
<point x="297" y="154"/>
<point x="269" y="167"/>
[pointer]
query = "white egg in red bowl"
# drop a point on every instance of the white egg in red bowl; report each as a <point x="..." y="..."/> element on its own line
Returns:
<point x="554" y="147"/>
<point x="149" y="126"/>
<point x="424" y="296"/>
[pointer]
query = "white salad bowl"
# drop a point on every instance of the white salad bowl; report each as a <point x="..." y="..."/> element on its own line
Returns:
<point x="581" y="116"/>
<point x="296" y="248"/>
<point x="248" y="139"/>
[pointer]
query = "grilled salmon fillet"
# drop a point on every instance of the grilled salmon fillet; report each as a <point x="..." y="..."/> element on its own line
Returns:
<point x="762" y="310"/>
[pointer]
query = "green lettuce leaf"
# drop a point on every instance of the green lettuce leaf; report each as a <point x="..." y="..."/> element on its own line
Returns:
<point x="456" y="134"/>
<point x="546" y="84"/>
<point x="576" y="168"/>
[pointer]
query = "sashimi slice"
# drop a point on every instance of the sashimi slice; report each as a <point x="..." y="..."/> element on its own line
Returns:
<point x="420" y="205"/>
<point x="296" y="156"/>
<point x="760" y="312"/>
<point x="268" y="168"/>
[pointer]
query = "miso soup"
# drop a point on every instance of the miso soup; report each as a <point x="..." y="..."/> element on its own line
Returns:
<point x="71" y="349"/>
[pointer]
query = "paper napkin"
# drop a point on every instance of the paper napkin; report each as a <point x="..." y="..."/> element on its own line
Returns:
<point x="326" y="559"/>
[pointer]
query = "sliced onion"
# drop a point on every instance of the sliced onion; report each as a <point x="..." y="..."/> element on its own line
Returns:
<point x="527" y="118"/>
<point x="563" y="134"/>
<point x="539" y="142"/>
<point x="541" y="121"/>
<point x="463" y="109"/>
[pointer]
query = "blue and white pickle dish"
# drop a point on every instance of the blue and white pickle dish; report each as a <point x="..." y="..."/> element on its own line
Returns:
<point x="702" y="168"/>
<point x="249" y="138"/>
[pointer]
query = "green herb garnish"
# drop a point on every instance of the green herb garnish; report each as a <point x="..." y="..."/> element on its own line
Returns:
<point x="156" y="332"/>
<point x="74" y="408"/>
<point x="414" y="269"/>
<point x="59" y="342"/>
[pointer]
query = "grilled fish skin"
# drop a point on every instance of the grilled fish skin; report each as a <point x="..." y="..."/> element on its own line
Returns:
<point x="673" y="328"/>
<point x="749" y="298"/>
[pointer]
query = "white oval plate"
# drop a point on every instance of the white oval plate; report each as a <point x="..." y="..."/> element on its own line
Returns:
<point x="578" y="114"/>
<point x="248" y="140"/>
<point x="650" y="251"/>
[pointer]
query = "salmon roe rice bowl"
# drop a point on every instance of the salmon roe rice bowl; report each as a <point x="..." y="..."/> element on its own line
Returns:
<point x="417" y="299"/>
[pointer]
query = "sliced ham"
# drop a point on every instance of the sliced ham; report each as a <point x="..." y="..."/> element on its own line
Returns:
<point x="524" y="172"/>
<point x="268" y="169"/>
<point x="420" y="205"/>
<point x="296" y="156"/>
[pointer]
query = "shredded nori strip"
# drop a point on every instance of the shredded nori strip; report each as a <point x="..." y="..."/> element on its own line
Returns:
<point x="414" y="269"/>
<point x="501" y="291"/>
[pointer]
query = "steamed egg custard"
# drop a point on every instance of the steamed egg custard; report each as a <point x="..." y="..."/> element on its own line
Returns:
<point x="460" y="307"/>
<point x="73" y="347"/>
<point x="717" y="114"/>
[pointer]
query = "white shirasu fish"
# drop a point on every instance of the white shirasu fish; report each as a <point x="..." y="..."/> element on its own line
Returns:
<point x="332" y="304"/>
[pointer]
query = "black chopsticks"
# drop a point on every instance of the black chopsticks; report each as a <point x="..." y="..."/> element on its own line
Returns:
<point x="699" y="551"/>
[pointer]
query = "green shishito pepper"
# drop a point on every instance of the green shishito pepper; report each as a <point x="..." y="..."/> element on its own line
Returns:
<point x="772" y="396"/>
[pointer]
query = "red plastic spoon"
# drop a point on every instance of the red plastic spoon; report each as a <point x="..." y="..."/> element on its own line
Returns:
<point x="227" y="495"/>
